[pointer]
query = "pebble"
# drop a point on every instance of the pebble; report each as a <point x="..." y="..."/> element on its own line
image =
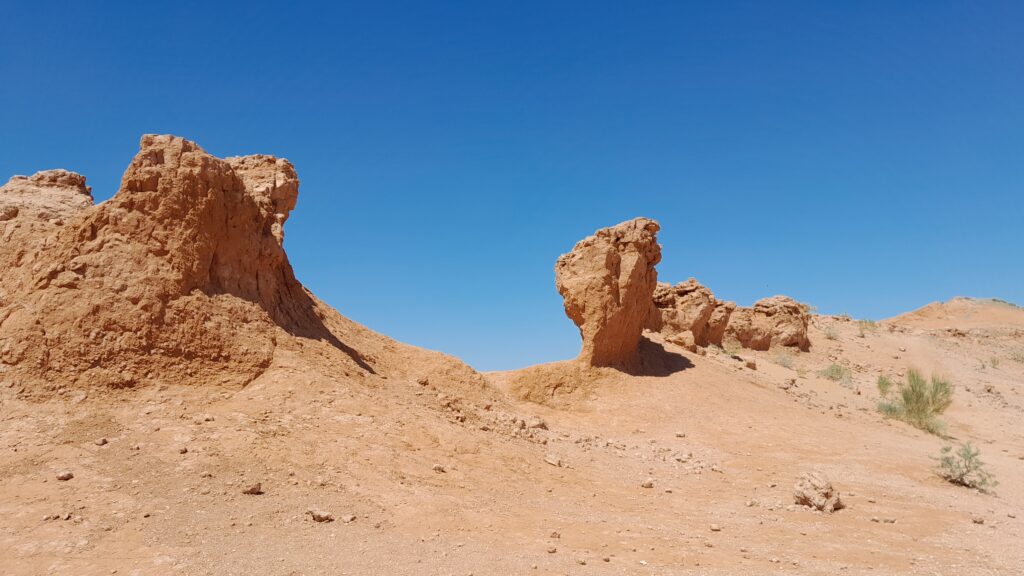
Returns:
<point x="101" y="441"/>
<point x="65" y="476"/>
<point x="716" y="528"/>
<point x="648" y="483"/>
<point x="321" y="516"/>
<point x="438" y="468"/>
<point x="254" y="490"/>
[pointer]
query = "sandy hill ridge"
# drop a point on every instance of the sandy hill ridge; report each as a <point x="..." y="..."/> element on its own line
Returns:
<point x="963" y="313"/>
<point x="173" y="401"/>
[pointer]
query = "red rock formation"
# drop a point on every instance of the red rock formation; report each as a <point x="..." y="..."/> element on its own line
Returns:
<point x="181" y="274"/>
<point x="774" y="321"/>
<point x="688" y="314"/>
<point x="607" y="281"/>
<point x="683" y="312"/>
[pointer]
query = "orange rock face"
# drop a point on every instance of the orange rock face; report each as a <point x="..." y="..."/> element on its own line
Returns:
<point x="684" y="308"/>
<point x="774" y="321"/>
<point x="179" y="275"/>
<point x="688" y="314"/>
<point x="607" y="282"/>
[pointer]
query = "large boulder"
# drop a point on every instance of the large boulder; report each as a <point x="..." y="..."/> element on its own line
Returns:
<point x="774" y="321"/>
<point x="607" y="282"/>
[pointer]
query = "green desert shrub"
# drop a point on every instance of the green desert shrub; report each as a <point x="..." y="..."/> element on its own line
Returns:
<point x="885" y="386"/>
<point x="964" y="467"/>
<point x="837" y="373"/>
<point x="918" y="401"/>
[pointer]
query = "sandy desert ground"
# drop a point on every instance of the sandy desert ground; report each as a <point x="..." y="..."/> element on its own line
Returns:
<point x="420" y="465"/>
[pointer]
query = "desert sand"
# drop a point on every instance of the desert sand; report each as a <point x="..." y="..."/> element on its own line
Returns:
<point x="173" y="401"/>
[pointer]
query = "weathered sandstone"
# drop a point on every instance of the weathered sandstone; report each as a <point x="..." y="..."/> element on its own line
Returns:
<point x="607" y="281"/>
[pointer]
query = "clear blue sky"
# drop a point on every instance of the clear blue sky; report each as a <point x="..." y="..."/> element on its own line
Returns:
<point x="866" y="157"/>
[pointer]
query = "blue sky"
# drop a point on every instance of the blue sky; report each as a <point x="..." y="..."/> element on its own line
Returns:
<point x="866" y="157"/>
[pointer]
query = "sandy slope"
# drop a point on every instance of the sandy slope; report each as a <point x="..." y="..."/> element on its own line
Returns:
<point x="315" y="434"/>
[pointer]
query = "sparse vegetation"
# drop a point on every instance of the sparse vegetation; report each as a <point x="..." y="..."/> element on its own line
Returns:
<point x="884" y="386"/>
<point x="994" y="362"/>
<point x="837" y="373"/>
<point x="964" y="468"/>
<point x="866" y="326"/>
<point x="732" y="346"/>
<point x="918" y="401"/>
<point x="1017" y="356"/>
<point x="830" y="333"/>
<point x="808" y="308"/>
<point x="783" y="359"/>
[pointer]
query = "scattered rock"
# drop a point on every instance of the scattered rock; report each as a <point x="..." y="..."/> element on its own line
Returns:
<point x="648" y="483"/>
<point x="348" y="518"/>
<point x="716" y="528"/>
<point x="438" y="468"/>
<point x="554" y="460"/>
<point x="65" y="476"/>
<point x="101" y="442"/>
<point x="814" y="489"/>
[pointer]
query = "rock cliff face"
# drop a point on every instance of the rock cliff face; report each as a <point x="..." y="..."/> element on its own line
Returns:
<point x="181" y="274"/>
<point x="688" y="314"/>
<point x="607" y="282"/>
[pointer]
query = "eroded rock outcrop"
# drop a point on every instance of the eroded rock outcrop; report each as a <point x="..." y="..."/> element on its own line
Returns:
<point x="181" y="275"/>
<point x="688" y="314"/>
<point x="47" y="196"/>
<point x="607" y="282"/>
<point x="774" y="321"/>
<point x="683" y="313"/>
